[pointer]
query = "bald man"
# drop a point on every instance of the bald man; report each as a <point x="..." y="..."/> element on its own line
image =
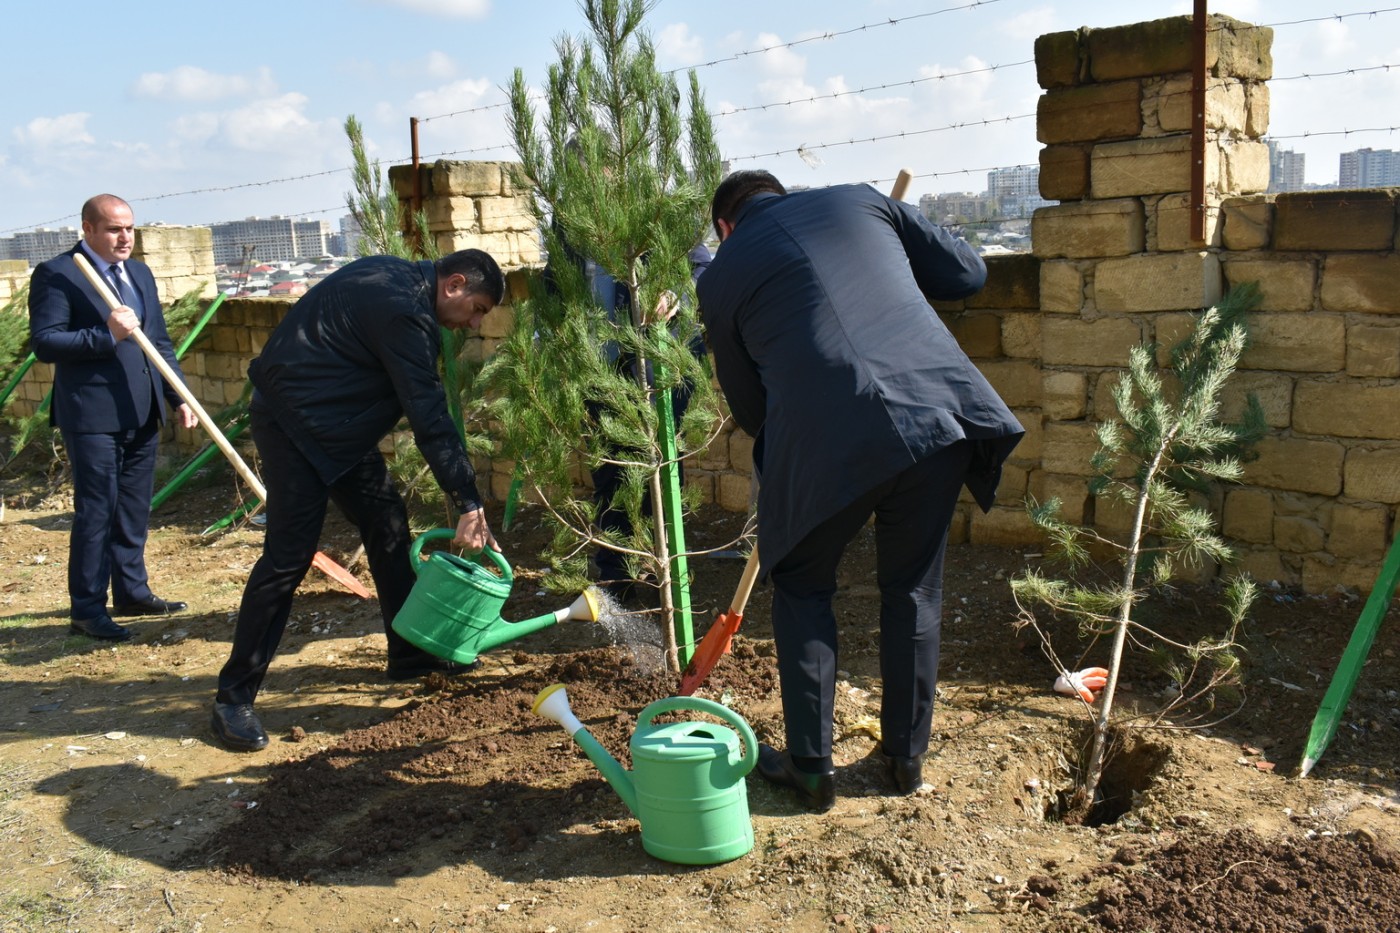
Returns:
<point x="107" y="402"/>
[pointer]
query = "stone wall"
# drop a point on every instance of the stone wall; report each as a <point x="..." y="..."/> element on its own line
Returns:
<point x="1119" y="265"/>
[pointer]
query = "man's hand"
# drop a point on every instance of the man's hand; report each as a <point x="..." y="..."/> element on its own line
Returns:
<point x="473" y="534"/>
<point x="121" y="322"/>
<point x="188" y="419"/>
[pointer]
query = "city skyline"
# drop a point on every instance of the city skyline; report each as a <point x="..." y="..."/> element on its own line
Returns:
<point x="205" y="119"/>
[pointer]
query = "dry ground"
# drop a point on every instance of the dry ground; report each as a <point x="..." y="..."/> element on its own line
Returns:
<point x="447" y="806"/>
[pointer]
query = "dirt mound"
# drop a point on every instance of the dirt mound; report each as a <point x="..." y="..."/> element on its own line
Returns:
<point x="1238" y="881"/>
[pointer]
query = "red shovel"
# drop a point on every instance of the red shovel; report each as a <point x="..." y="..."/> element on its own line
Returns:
<point x="321" y="562"/>
<point x="716" y="642"/>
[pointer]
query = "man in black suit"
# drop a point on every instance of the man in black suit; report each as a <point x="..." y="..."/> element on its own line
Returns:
<point x="353" y="356"/>
<point x="107" y="402"/>
<point x="860" y="402"/>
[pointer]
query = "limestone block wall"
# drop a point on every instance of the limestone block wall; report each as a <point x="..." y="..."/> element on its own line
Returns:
<point x="1319" y="505"/>
<point x="1119" y="265"/>
<point x="473" y="205"/>
<point x="181" y="259"/>
<point x="14" y="275"/>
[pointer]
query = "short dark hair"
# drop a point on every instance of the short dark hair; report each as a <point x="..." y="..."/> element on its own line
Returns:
<point x="736" y="189"/>
<point x="478" y="268"/>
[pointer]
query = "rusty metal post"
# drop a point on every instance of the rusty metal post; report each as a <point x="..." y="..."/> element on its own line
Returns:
<point x="1198" y="123"/>
<point x="410" y="224"/>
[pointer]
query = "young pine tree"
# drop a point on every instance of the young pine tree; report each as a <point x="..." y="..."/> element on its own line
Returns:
<point x="1167" y="450"/>
<point x="622" y="180"/>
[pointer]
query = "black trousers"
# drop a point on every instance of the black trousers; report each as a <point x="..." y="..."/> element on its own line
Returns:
<point x="912" y="514"/>
<point x="296" y="509"/>
<point x="607" y="482"/>
<point x="113" y="478"/>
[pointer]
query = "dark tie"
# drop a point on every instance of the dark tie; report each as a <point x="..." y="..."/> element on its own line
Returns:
<point x="122" y="291"/>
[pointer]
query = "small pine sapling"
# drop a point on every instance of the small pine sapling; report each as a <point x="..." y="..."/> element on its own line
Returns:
<point x="1159" y="461"/>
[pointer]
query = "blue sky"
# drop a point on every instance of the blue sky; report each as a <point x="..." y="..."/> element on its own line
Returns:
<point x="202" y="112"/>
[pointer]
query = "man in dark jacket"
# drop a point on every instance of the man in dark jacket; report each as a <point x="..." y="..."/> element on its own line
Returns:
<point x="615" y="298"/>
<point x="353" y="355"/>
<point x="109" y="402"/>
<point x="859" y="401"/>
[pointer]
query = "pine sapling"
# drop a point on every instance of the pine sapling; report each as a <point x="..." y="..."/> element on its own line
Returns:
<point x="622" y="175"/>
<point x="1163" y="456"/>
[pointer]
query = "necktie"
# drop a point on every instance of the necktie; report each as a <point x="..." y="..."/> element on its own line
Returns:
<point x="123" y="291"/>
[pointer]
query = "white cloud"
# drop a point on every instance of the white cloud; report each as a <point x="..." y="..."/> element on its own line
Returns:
<point x="456" y="9"/>
<point x="449" y="98"/>
<point x="192" y="83"/>
<point x="274" y="124"/>
<point x="439" y="65"/>
<point x="66" y="131"/>
<point x="678" y="46"/>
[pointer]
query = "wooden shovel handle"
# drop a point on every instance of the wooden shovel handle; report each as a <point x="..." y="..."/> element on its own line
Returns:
<point x="175" y="381"/>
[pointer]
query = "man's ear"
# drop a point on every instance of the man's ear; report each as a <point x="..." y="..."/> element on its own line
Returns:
<point x="725" y="228"/>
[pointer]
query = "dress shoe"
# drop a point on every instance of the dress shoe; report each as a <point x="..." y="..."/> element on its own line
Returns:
<point x="150" y="606"/>
<point x="100" y="627"/>
<point x="816" y="791"/>
<point x="237" y="726"/>
<point x="907" y="773"/>
<point x="415" y="667"/>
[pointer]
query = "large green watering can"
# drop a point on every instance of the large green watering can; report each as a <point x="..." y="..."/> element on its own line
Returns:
<point x="454" y="608"/>
<point x="687" y="783"/>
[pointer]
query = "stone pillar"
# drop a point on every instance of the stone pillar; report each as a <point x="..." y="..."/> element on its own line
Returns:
<point x="473" y="205"/>
<point x="181" y="259"/>
<point x="1118" y="260"/>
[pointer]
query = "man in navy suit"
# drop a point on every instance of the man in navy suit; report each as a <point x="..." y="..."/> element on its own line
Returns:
<point x="107" y="403"/>
<point x="860" y="402"/>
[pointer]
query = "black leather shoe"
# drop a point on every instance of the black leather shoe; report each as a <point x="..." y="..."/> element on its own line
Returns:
<point x="237" y="726"/>
<point x="100" y="627"/>
<point x="816" y="791"/>
<point x="907" y="773"/>
<point x="152" y="606"/>
<point x="413" y="668"/>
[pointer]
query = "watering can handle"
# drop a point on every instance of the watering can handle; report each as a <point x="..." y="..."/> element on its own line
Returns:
<point x="718" y="710"/>
<point x="437" y="534"/>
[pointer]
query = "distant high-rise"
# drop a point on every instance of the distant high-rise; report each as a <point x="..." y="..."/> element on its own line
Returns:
<point x="1369" y="168"/>
<point x="275" y="239"/>
<point x="1016" y="190"/>
<point x="36" y="246"/>
<point x="350" y="236"/>
<point x="1285" y="168"/>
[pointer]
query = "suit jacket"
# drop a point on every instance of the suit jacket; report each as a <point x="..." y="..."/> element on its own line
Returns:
<point x="354" y="355"/>
<point x="100" y="384"/>
<point x="817" y="311"/>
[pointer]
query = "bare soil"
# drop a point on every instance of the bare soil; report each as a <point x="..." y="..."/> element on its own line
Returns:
<point x="448" y="805"/>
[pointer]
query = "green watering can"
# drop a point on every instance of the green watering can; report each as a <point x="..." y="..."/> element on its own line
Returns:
<point x="687" y="783"/>
<point x="454" y="608"/>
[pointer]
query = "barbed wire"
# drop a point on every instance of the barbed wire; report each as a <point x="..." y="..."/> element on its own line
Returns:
<point x="825" y="36"/>
<point x="1330" y="17"/>
<point x="831" y="34"/>
<point x="872" y="139"/>
<point x="1333" y="74"/>
<point x="873" y="87"/>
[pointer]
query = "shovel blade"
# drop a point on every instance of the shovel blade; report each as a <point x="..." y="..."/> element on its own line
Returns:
<point x="712" y="647"/>
<point x="339" y="574"/>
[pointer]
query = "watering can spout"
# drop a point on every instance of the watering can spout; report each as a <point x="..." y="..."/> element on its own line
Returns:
<point x="553" y="703"/>
<point x="501" y="631"/>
